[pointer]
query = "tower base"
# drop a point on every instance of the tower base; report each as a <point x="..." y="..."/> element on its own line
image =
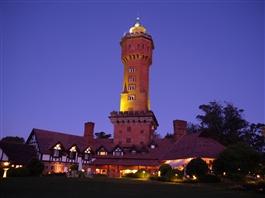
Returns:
<point x="133" y="128"/>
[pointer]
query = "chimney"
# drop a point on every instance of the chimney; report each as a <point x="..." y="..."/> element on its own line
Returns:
<point x="180" y="129"/>
<point x="89" y="131"/>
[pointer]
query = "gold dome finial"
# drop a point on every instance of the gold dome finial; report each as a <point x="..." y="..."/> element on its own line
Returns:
<point x="137" y="28"/>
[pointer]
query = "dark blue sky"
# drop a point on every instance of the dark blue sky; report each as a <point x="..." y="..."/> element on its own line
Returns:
<point x="60" y="60"/>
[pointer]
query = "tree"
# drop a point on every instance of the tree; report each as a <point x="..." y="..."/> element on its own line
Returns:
<point x="253" y="136"/>
<point x="12" y="139"/>
<point x="35" y="167"/>
<point x="237" y="159"/>
<point x="197" y="167"/>
<point x="102" y="135"/>
<point x="222" y="123"/>
<point x="193" y="128"/>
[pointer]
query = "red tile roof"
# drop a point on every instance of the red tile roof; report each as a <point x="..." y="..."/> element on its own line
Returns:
<point x="190" y="145"/>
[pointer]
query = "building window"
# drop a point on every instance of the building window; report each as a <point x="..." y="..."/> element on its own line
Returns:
<point x="131" y="97"/>
<point x="129" y="128"/>
<point x="131" y="87"/>
<point x="72" y="152"/>
<point x="118" y="152"/>
<point x="142" y="131"/>
<point x="102" y="152"/>
<point x="87" y="153"/>
<point x="131" y="69"/>
<point x="56" y="150"/>
<point x="131" y="79"/>
<point x="128" y="140"/>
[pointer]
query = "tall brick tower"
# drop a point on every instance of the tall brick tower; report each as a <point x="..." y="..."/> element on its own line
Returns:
<point x="135" y="123"/>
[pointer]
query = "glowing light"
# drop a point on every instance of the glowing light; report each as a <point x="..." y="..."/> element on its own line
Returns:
<point x="127" y="171"/>
<point x="224" y="173"/>
<point x="88" y="150"/>
<point x="83" y="170"/>
<point x="159" y="174"/>
<point x="6" y="163"/>
<point x="258" y="176"/>
<point x="143" y="172"/>
<point x="57" y="147"/>
<point x="194" y="177"/>
<point x="73" y="149"/>
<point x="5" y="172"/>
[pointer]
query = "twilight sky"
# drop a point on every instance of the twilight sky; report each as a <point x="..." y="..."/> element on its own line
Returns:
<point x="60" y="60"/>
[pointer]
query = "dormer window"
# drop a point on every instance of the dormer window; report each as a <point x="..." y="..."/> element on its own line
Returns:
<point x="72" y="152"/>
<point x="57" y="150"/>
<point x="118" y="152"/>
<point x="102" y="152"/>
<point x="87" y="153"/>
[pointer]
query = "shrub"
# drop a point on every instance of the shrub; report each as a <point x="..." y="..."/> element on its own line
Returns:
<point x="35" y="167"/>
<point x="238" y="159"/>
<point x="197" y="167"/>
<point x="165" y="169"/>
<point x="18" y="172"/>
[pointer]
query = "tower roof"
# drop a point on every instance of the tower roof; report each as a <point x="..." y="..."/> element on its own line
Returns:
<point x="138" y="27"/>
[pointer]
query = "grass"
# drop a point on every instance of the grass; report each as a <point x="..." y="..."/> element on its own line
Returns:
<point x="60" y="187"/>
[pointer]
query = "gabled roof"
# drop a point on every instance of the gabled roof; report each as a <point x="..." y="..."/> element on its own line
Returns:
<point x="18" y="153"/>
<point x="47" y="139"/>
<point x="192" y="145"/>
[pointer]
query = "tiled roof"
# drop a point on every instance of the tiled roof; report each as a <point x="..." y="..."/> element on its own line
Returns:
<point x="18" y="153"/>
<point x="190" y="145"/>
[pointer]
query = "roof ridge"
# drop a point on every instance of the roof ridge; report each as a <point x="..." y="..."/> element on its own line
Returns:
<point x="58" y="132"/>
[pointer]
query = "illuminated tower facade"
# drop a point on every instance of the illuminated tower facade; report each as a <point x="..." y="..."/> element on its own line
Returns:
<point x="135" y="123"/>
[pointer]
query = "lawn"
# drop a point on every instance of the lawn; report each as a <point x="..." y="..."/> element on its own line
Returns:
<point x="57" y="187"/>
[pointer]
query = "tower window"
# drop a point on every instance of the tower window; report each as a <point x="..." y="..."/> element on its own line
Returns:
<point x="131" y="79"/>
<point x="131" y="69"/>
<point x="131" y="97"/>
<point x="131" y="87"/>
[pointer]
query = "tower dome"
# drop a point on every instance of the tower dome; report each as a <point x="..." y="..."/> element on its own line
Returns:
<point x="138" y="27"/>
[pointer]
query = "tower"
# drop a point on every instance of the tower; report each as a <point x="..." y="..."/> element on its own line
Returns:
<point x="135" y="123"/>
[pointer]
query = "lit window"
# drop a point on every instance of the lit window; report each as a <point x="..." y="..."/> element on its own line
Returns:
<point x="87" y="153"/>
<point x="131" y="87"/>
<point x="131" y="69"/>
<point x="131" y="97"/>
<point x="131" y="79"/>
<point x="118" y="152"/>
<point x="88" y="150"/>
<point x="72" y="152"/>
<point x="102" y="152"/>
<point x="56" y="150"/>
